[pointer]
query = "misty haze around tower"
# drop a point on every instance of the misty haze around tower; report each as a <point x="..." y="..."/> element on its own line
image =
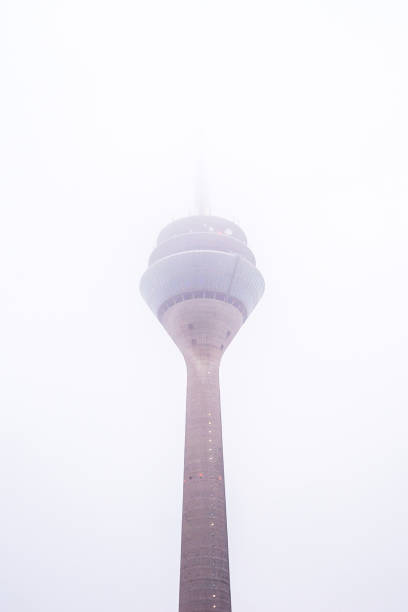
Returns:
<point x="299" y="112"/>
<point x="202" y="283"/>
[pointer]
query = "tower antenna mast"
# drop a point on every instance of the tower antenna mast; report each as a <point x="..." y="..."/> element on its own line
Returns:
<point x="201" y="190"/>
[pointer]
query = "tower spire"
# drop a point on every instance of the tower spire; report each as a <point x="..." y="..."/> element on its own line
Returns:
<point x="201" y="190"/>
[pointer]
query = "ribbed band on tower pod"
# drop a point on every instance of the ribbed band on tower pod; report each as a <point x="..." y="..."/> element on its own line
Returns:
<point x="193" y="295"/>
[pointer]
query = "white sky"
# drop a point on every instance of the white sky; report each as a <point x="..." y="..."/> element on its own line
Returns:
<point x="299" y="110"/>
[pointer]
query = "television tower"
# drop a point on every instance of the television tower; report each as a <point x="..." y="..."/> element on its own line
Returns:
<point x="202" y="283"/>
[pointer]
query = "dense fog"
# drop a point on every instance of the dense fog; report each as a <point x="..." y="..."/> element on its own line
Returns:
<point x="297" y="113"/>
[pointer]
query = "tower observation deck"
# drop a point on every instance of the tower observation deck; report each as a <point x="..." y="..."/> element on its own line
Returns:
<point x="202" y="283"/>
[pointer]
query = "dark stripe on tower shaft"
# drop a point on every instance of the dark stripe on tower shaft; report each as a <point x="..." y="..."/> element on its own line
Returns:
<point x="204" y="571"/>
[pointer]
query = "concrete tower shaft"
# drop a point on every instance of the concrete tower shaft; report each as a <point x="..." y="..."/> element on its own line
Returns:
<point x="202" y="283"/>
<point x="202" y="329"/>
